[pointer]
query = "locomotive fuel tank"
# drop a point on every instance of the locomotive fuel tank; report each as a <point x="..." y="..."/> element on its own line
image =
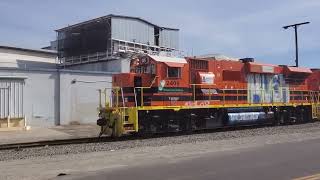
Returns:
<point x="242" y="118"/>
<point x="247" y="116"/>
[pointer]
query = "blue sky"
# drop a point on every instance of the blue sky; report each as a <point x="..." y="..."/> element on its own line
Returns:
<point x="246" y="28"/>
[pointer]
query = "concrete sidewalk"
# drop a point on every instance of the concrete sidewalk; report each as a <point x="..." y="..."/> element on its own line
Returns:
<point x="54" y="133"/>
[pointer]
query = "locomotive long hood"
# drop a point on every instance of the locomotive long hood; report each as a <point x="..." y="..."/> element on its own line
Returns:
<point x="292" y="70"/>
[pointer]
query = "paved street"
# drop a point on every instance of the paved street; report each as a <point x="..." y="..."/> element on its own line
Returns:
<point x="274" y="153"/>
<point x="278" y="161"/>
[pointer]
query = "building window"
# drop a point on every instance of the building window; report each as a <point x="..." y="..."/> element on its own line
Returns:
<point x="174" y="72"/>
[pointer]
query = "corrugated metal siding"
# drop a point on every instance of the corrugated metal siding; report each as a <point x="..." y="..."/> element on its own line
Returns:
<point x="11" y="98"/>
<point x="131" y="29"/>
<point x="169" y="38"/>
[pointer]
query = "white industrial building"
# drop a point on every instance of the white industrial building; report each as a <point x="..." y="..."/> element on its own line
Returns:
<point x="106" y="43"/>
<point x="34" y="92"/>
<point x="43" y="88"/>
<point x="15" y="57"/>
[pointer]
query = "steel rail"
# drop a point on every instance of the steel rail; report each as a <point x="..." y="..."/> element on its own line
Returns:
<point x="87" y="140"/>
<point x="54" y="142"/>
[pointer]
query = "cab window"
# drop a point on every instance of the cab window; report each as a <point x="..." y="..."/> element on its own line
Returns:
<point x="145" y="69"/>
<point x="174" y="72"/>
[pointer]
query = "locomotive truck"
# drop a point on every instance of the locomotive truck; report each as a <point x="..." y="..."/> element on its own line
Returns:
<point x="170" y="94"/>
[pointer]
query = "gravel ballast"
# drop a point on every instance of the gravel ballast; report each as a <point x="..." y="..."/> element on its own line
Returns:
<point x="50" y="151"/>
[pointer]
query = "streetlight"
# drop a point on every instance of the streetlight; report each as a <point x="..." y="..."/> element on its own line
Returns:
<point x="295" y="26"/>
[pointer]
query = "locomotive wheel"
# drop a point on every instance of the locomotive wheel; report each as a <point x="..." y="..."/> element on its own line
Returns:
<point x="276" y="120"/>
<point x="301" y="115"/>
<point x="281" y="118"/>
<point x="192" y="122"/>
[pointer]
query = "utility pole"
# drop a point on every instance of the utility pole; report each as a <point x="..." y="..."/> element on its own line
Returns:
<point x="295" y="26"/>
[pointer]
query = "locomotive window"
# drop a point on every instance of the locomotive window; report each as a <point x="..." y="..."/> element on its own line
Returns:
<point x="149" y="69"/>
<point x="153" y="69"/>
<point x="145" y="69"/>
<point x="138" y="69"/>
<point x="174" y="72"/>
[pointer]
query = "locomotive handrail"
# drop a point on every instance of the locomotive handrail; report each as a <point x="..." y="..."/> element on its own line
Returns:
<point x="194" y="89"/>
<point x="203" y="84"/>
<point x="264" y="98"/>
<point x="152" y="82"/>
<point x="105" y="97"/>
<point x="282" y="95"/>
<point x="135" y="97"/>
<point x="145" y="87"/>
<point x="314" y="97"/>
<point x="123" y="104"/>
<point x="141" y="98"/>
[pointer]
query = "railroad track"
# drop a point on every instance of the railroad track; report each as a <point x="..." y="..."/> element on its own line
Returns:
<point x="18" y="146"/>
<point x="51" y="143"/>
<point x="48" y="143"/>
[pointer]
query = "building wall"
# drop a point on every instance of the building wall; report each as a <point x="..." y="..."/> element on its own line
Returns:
<point x="39" y="95"/>
<point x="132" y="29"/>
<point x="24" y="59"/>
<point x="169" y="38"/>
<point x="103" y="66"/>
<point x="79" y="101"/>
<point x="125" y="65"/>
<point x="50" y="98"/>
<point x="116" y="66"/>
<point x="141" y="32"/>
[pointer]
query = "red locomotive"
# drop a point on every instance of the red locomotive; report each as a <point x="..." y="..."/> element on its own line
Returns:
<point x="163" y="94"/>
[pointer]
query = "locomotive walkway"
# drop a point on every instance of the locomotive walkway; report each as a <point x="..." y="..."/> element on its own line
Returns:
<point x="36" y="134"/>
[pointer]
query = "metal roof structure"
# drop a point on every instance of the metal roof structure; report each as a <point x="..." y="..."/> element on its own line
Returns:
<point x="108" y="17"/>
<point x="29" y="50"/>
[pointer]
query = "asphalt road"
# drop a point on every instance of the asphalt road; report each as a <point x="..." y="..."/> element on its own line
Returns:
<point x="279" y="161"/>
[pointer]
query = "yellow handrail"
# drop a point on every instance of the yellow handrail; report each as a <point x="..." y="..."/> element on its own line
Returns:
<point x="194" y="89"/>
<point x="148" y="87"/>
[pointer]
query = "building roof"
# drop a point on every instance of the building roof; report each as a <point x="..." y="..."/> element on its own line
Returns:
<point x="29" y="50"/>
<point x="111" y="16"/>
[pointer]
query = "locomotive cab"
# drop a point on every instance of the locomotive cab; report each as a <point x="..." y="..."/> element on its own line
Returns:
<point x="150" y="78"/>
